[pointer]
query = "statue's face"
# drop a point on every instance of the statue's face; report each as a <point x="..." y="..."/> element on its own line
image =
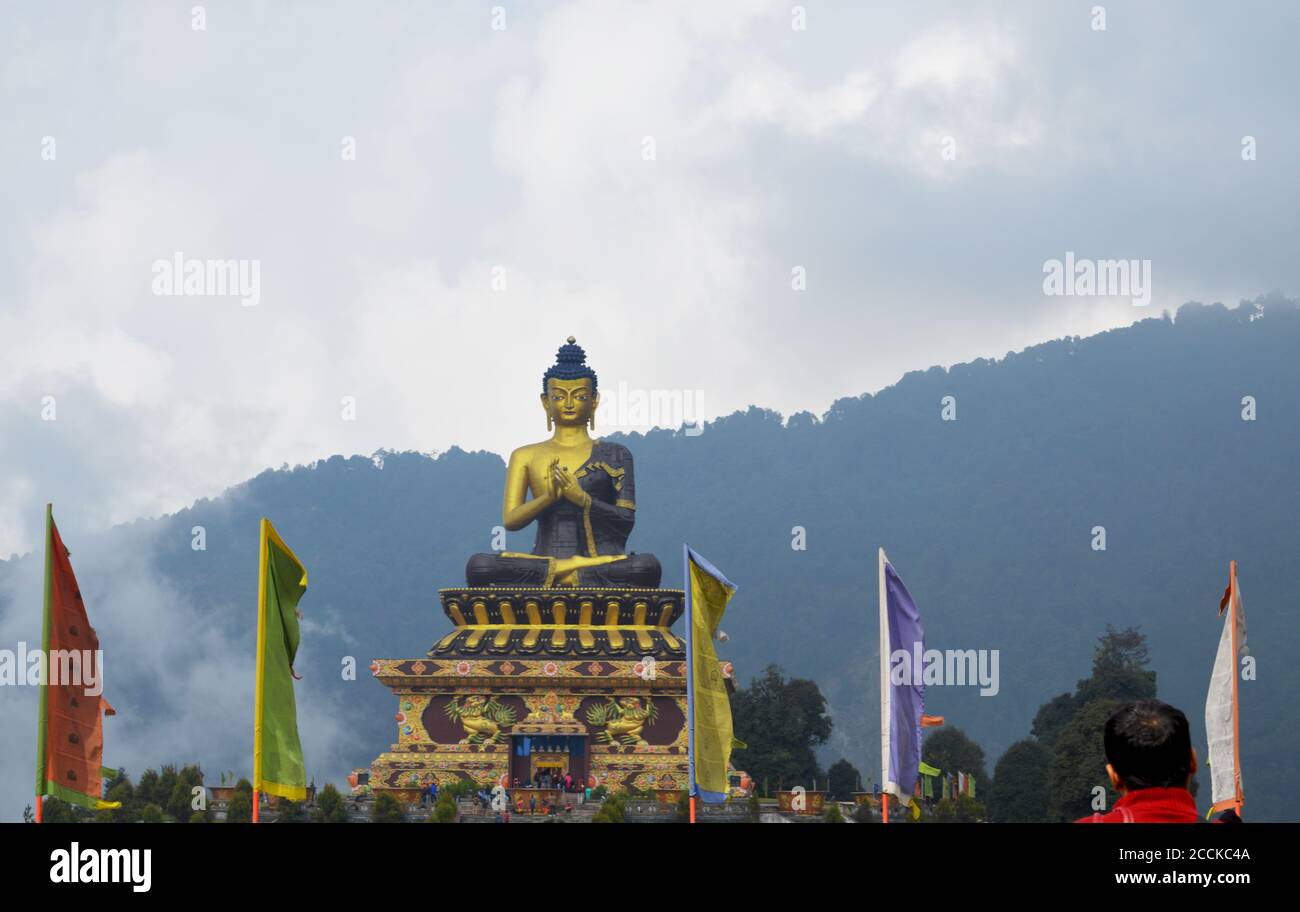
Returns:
<point x="570" y="402"/>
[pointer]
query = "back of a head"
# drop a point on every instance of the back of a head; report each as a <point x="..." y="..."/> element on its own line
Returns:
<point x="1149" y="745"/>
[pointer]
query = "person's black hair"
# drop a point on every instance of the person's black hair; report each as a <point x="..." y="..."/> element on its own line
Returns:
<point x="570" y="364"/>
<point x="1149" y="745"/>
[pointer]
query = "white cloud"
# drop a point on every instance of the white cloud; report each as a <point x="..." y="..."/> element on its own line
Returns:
<point x="523" y="149"/>
<point x="955" y="59"/>
<point x="773" y="97"/>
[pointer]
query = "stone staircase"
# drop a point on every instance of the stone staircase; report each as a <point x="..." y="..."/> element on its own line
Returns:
<point x="574" y="812"/>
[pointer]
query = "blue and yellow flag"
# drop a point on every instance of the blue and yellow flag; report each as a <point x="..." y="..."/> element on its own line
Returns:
<point x="707" y="705"/>
<point x="278" y="767"/>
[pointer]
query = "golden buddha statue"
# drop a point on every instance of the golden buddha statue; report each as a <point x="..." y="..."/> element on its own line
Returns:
<point x="583" y="497"/>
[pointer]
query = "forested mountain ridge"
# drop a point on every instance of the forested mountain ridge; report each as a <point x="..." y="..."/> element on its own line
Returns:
<point x="989" y="518"/>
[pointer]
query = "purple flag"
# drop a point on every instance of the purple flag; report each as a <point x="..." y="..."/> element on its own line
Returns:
<point x="902" y="695"/>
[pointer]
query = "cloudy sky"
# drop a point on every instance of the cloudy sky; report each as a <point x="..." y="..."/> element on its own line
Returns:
<point x="436" y="195"/>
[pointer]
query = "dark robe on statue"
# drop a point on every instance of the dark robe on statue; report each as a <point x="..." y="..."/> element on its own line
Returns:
<point x="567" y="530"/>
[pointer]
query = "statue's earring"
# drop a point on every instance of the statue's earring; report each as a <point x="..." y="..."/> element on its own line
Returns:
<point x="549" y="423"/>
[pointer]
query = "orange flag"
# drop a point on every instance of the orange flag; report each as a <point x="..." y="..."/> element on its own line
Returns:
<point x="70" y="743"/>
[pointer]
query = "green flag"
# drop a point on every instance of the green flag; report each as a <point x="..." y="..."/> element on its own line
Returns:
<point x="708" y="706"/>
<point x="278" y="767"/>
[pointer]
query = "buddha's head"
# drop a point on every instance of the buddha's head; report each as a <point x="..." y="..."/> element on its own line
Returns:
<point x="569" y="389"/>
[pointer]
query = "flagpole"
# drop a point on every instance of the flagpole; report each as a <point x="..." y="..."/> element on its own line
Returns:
<point x="43" y="713"/>
<point x="884" y="693"/>
<point x="261" y="653"/>
<point x="690" y="681"/>
<point x="1236" y="677"/>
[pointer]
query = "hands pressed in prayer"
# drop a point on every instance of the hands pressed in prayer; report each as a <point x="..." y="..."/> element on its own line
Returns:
<point x="564" y="485"/>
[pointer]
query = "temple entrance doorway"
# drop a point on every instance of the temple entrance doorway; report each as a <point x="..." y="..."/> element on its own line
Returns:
<point x="538" y="759"/>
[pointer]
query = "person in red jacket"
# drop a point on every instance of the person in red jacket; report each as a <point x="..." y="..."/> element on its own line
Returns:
<point x="1150" y="762"/>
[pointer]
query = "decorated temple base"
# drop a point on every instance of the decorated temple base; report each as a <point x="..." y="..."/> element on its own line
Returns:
<point x="590" y="683"/>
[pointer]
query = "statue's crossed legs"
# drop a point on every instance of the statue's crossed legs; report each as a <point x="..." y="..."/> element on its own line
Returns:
<point x="511" y="568"/>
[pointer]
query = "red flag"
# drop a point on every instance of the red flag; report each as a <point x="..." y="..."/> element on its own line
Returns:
<point x="71" y="739"/>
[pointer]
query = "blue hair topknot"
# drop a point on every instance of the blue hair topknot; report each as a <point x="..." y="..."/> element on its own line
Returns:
<point x="570" y="364"/>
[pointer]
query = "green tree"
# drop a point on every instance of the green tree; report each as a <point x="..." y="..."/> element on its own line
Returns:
<point x="951" y="751"/>
<point x="1053" y="716"/>
<point x="151" y="813"/>
<point x="329" y="806"/>
<point x="445" y="809"/>
<point x="1072" y="726"/>
<point x="962" y="809"/>
<point x="290" y="812"/>
<point x="162" y="796"/>
<point x="611" y="811"/>
<point x="842" y="780"/>
<point x="386" y="809"/>
<point x="117" y="778"/>
<point x="1019" y="790"/>
<point x="1119" y="669"/>
<point x="181" y="797"/>
<point x="146" y="790"/>
<point x="782" y="723"/>
<point x="1078" y="763"/>
<point x="833" y="814"/>
<point x="240" y="807"/>
<point x="461" y="788"/>
<point x="123" y="793"/>
<point x="56" y="810"/>
<point x="199" y="817"/>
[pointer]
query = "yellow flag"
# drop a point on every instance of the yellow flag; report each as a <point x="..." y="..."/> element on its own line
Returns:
<point x="708" y="707"/>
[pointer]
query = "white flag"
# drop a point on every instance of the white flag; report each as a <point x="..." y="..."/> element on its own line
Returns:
<point x="1221" y="706"/>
